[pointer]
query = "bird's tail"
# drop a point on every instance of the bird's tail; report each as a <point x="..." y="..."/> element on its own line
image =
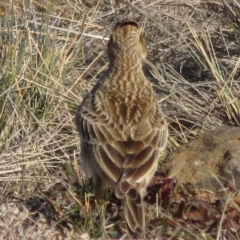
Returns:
<point x="134" y="215"/>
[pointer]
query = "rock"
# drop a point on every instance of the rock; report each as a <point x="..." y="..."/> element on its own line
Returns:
<point x="212" y="161"/>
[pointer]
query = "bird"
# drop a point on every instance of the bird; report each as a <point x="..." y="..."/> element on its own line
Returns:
<point x="121" y="126"/>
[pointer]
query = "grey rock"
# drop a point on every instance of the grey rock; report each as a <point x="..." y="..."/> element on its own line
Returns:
<point x="212" y="161"/>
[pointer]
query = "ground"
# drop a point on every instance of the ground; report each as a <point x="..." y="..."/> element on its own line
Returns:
<point x="52" y="54"/>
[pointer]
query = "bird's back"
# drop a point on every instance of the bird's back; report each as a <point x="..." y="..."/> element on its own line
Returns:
<point x="125" y="100"/>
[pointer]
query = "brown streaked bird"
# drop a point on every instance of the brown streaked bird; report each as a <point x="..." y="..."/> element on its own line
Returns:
<point x="122" y="129"/>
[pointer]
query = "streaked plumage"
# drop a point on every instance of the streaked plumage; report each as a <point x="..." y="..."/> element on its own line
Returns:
<point x="122" y="129"/>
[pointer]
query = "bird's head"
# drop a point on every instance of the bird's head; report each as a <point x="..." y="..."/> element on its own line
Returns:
<point x="127" y="40"/>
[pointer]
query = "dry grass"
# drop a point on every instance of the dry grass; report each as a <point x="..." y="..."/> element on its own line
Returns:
<point x="52" y="54"/>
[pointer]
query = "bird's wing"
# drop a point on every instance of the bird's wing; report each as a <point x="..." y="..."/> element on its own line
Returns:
<point x="97" y="132"/>
<point x="142" y="152"/>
